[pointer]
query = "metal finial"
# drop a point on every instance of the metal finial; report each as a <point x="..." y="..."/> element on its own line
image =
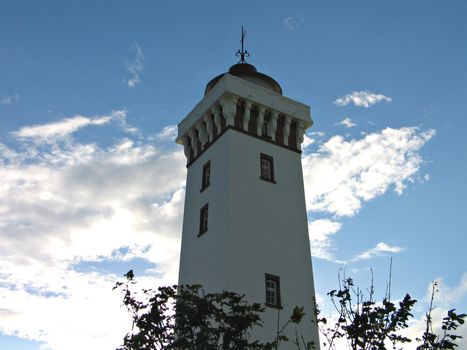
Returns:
<point x="242" y="53"/>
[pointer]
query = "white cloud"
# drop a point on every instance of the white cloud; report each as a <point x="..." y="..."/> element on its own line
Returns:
<point x="321" y="232"/>
<point x="60" y="129"/>
<point x="343" y="174"/>
<point x="120" y="117"/>
<point x="380" y="249"/>
<point x="8" y="100"/>
<point x="63" y="204"/>
<point x="168" y="133"/>
<point x="347" y="122"/>
<point x="135" y="66"/>
<point x="311" y="137"/>
<point x="307" y="141"/>
<point x="84" y="313"/>
<point x="317" y="133"/>
<point x="293" y="22"/>
<point x="362" y="99"/>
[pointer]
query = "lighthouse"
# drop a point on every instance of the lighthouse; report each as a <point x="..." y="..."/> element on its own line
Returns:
<point x="245" y="223"/>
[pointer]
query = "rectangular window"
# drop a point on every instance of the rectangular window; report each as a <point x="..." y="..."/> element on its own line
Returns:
<point x="273" y="295"/>
<point x="203" y="220"/>
<point x="206" y="175"/>
<point x="267" y="168"/>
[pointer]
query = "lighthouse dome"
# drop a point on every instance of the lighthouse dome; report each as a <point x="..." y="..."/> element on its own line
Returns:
<point x="249" y="73"/>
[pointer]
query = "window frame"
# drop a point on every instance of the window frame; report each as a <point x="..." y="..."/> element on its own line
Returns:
<point x="276" y="280"/>
<point x="206" y="180"/>
<point x="203" y="221"/>
<point x="270" y="160"/>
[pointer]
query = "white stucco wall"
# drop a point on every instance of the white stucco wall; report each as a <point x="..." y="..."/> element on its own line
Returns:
<point x="255" y="227"/>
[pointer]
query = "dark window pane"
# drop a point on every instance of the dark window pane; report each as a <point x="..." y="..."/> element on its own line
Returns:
<point x="206" y="175"/>
<point x="203" y="220"/>
<point x="273" y="298"/>
<point x="267" y="168"/>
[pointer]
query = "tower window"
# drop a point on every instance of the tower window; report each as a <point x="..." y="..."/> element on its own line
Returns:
<point x="203" y="219"/>
<point x="267" y="168"/>
<point x="273" y="295"/>
<point x="206" y="175"/>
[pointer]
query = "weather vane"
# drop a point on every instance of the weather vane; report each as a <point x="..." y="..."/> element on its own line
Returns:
<point x="242" y="53"/>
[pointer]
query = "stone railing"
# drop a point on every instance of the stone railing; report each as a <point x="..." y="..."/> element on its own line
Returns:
<point x="246" y="116"/>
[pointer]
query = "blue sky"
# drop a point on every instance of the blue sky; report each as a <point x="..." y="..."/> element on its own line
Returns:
<point x="92" y="183"/>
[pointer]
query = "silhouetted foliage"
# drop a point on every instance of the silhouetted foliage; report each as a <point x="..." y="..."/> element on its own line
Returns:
<point x="450" y="323"/>
<point x="364" y="324"/>
<point x="185" y="317"/>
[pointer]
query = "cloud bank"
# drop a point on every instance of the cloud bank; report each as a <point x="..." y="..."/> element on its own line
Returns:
<point x="342" y="175"/>
<point x="67" y="208"/>
<point x="356" y="171"/>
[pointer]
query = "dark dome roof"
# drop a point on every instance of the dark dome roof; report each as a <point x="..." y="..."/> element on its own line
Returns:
<point x="249" y="73"/>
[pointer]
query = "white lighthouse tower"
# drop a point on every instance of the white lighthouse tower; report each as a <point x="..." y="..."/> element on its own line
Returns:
<point x="245" y="224"/>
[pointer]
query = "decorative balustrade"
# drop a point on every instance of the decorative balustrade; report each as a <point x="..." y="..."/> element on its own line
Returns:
<point x="245" y="116"/>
